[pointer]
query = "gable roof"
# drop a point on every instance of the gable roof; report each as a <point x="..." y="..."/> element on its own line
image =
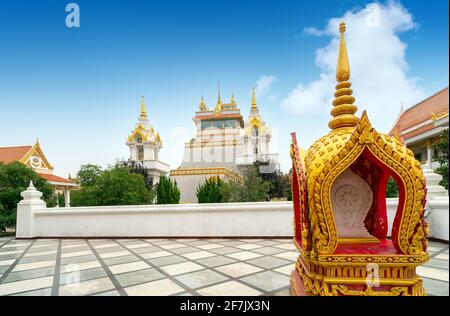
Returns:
<point x="23" y="153"/>
<point x="13" y="153"/>
<point x="418" y="119"/>
<point x="52" y="179"/>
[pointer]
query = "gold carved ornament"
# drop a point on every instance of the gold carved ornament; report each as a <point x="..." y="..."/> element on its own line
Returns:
<point x="300" y="196"/>
<point x="335" y="154"/>
<point x="255" y="122"/>
<point x="316" y="285"/>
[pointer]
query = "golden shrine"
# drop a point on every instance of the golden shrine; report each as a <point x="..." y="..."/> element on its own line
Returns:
<point x="339" y="197"/>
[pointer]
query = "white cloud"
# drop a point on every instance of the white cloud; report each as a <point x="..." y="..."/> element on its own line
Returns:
<point x="314" y="31"/>
<point x="379" y="71"/>
<point x="264" y="84"/>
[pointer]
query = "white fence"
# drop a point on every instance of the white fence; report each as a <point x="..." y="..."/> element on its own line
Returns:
<point x="436" y="215"/>
<point x="262" y="219"/>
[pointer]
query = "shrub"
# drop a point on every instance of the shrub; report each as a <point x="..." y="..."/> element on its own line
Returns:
<point x="440" y="149"/>
<point x="255" y="188"/>
<point x="211" y="191"/>
<point x="15" y="178"/>
<point x="114" y="186"/>
<point x="167" y="191"/>
<point x="391" y="188"/>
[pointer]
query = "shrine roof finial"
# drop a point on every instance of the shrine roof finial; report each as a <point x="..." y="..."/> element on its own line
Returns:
<point x="218" y="107"/>
<point x="143" y="112"/>
<point x="343" y="108"/>
<point x="202" y="105"/>
<point x="254" y="105"/>
<point x="343" y="66"/>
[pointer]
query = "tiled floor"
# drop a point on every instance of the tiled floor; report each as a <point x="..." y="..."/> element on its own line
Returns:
<point x="165" y="267"/>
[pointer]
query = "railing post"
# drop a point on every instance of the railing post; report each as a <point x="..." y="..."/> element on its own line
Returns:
<point x="25" y="211"/>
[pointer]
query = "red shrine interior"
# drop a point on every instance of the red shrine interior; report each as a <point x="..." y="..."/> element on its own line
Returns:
<point x="376" y="174"/>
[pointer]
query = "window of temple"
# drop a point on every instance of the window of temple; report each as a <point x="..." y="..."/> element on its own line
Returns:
<point x="138" y="139"/>
<point x="206" y="124"/>
<point x="229" y="123"/>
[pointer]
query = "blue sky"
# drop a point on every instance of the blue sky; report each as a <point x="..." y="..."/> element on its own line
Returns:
<point x="78" y="90"/>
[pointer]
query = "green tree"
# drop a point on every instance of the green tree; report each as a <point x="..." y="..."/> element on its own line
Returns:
<point x="211" y="191"/>
<point x="114" y="186"/>
<point x="440" y="149"/>
<point x="15" y="178"/>
<point x="280" y="182"/>
<point x="255" y="188"/>
<point x="391" y="188"/>
<point x="167" y="191"/>
<point x="88" y="174"/>
<point x="232" y="191"/>
<point x="138" y="167"/>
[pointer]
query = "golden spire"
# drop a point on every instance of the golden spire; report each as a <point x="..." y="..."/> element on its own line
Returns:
<point x="343" y="108"/>
<point x="143" y="112"/>
<point x="254" y="106"/>
<point x="202" y="105"/>
<point x="218" y="93"/>
<point x="219" y="102"/>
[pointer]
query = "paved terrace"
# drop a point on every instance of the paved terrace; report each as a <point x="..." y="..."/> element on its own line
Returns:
<point x="165" y="267"/>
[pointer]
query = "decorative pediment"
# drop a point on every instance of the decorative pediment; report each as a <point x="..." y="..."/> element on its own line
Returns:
<point x="36" y="159"/>
<point x="255" y="121"/>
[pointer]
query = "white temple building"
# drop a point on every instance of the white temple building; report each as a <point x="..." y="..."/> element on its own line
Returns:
<point x="145" y="143"/>
<point x="224" y="146"/>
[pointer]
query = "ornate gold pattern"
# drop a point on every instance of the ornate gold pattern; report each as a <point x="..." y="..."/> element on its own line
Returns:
<point x="206" y="171"/>
<point x="439" y="116"/>
<point x="352" y="281"/>
<point x="255" y="121"/>
<point x="36" y="151"/>
<point x="334" y="153"/>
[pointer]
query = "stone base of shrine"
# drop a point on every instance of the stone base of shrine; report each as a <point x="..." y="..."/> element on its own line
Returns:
<point x="296" y="287"/>
<point x="307" y="283"/>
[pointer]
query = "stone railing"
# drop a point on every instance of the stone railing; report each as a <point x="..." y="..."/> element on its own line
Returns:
<point x="261" y="219"/>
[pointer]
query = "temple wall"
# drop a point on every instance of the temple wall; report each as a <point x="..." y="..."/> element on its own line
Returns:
<point x="438" y="219"/>
<point x="254" y="219"/>
<point x="262" y="219"/>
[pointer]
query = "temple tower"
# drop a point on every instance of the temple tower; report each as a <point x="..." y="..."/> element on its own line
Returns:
<point x="145" y="143"/>
<point x="256" y="139"/>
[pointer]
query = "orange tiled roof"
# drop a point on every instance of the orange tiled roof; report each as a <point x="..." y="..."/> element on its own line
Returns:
<point x="420" y="113"/>
<point x="52" y="177"/>
<point x="14" y="153"/>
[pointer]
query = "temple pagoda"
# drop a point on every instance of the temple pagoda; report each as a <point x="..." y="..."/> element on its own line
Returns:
<point x="145" y="143"/>
<point x="224" y="146"/>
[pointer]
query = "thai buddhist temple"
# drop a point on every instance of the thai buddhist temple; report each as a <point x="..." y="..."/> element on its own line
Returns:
<point x="420" y="125"/>
<point x="145" y="144"/>
<point x="225" y="146"/>
<point x="33" y="157"/>
<point x="340" y="216"/>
